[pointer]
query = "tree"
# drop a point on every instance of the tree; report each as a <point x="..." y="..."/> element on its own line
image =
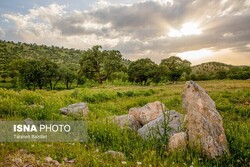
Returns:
<point x="50" y="72"/>
<point x="28" y="73"/>
<point x="174" y="67"/>
<point x="99" y="65"/>
<point x="4" y="75"/>
<point x="221" y="74"/>
<point x="37" y="73"/>
<point x="241" y="72"/>
<point x="141" y="71"/>
<point x="68" y="76"/>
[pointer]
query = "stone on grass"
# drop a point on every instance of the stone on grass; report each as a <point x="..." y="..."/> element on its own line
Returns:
<point x="115" y="154"/>
<point x="128" y="121"/>
<point x="77" y="109"/>
<point x="155" y="128"/>
<point x="48" y="159"/>
<point x="148" y="112"/>
<point x="177" y="142"/>
<point x="204" y="124"/>
<point x="28" y="121"/>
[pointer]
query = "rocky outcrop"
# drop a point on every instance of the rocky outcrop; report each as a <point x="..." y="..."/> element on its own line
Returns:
<point x="203" y="122"/>
<point x="127" y="121"/>
<point x="156" y="128"/>
<point x="148" y="112"/>
<point x="77" y="109"/>
<point x="177" y="142"/>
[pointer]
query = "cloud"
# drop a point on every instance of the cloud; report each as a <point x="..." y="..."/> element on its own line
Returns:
<point x="140" y="29"/>
<point x="2" y="32"/>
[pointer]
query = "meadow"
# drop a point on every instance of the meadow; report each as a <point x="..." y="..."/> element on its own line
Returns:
<point x="232" y="99"/>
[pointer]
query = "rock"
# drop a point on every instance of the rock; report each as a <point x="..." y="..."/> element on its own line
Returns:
<point x="56" y="163"/>
<point x="28" y="121"/>
<point x="155" y="128"/>
<point x="148" y="112"/>
<point x="18" y="161"/>
<point x="36" y="106"/>
<point x="177" y="142"/>
<point x="68" y="161"/>
<point x="128" y="121"/>
<point x="204" y="123"/>
<point x="77" y="109"/>
<point x="115" y="154"/>
<point x="48" y="159"/>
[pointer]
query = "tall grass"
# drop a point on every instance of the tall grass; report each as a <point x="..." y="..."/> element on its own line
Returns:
<point x="232" y="100"/>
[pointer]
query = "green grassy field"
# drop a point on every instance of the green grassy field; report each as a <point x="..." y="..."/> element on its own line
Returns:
<point x="232" y="99"/>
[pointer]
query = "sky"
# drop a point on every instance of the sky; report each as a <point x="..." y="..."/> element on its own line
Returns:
<point x="196" y="30"/>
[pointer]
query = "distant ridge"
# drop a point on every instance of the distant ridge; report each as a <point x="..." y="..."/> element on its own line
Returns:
<point x="210" y="68"/>
<point x="10" y="50"/>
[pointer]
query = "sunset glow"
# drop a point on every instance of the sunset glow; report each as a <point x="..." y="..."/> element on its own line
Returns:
<point x="195" y="54"/>
<point x="186" y="29"/>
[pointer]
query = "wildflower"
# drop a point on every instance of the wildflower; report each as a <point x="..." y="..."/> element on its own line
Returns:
<point x="139" y="163"/>
<point x="97" y="150"/>
<point x="124" y="162"/>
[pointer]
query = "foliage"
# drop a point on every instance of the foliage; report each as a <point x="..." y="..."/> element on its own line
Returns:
<point x="99" y="65"/>
<point x="142" y="71"/>
<point x="174" y="68"/>
<point x="68" y="76"/>
<point x="239" y="73"/>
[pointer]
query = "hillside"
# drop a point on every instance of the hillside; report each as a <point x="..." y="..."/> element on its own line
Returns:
<point x="210" y="68"/>
<point x="60" y="55"/>
<point x="11" y="50"/>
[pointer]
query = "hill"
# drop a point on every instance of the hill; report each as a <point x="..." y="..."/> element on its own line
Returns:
<point x="10" y="51"/>
<point x="60" y="55"/>
<point x="210" y="68"/>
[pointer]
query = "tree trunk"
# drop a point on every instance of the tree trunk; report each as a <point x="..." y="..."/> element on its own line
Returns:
<point x="50" y="85"/>
<point x="54" y="87"/>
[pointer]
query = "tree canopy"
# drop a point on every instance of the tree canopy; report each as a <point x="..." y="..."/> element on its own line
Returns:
<point x="99" y="64"/>
<point x="174" y="67"/>
<point x="142" y="71"/>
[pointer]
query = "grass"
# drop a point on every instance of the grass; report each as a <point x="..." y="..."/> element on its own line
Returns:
<point x="231" y="97"/>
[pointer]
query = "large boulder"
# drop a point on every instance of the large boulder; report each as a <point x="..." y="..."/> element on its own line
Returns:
<point x="204" y="123"/>
<point x="148" y="112"/>
<point x="155" y="128"/>
<point x="127" y="121"/>
<point x="77" y="109"/>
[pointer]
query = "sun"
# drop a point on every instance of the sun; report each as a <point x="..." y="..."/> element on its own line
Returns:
<point x="189" y="28"/>
<point x="195" y="55"/>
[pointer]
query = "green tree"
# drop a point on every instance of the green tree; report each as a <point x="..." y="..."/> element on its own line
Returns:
<point x="174" y="67"/>
<point x="221" y="74"/>
<point x="4" y="75"/>
<point x="68" y="76"/>
<point x="142" y="71"/>
<point x="239" y="72"/>
<point x="50" y="72"/>
<point x="99" y="65"/>
<point x="28" y="72"/>
<point x="37" y="73"/>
